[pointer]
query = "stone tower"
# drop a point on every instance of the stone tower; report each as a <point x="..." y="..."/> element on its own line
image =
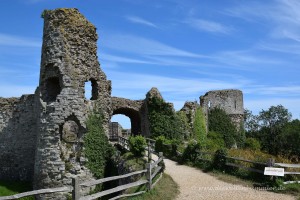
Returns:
<point x="231" y="101"/>
<point x="69" y="59"/>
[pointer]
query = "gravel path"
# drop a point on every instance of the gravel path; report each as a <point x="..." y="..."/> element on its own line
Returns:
<point x="195" y="185"/>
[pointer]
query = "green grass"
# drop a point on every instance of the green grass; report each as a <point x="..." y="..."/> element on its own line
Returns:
<point x="165" y="189"/>
<point x="8" y="188"/>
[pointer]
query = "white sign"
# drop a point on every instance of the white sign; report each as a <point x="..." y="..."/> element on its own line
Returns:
<point x="273" y="171"/>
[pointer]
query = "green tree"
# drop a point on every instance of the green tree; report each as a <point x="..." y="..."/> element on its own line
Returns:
<point x="289" y="139"/>
<point x="199" y="129"/>
<point x="272" y="122"/>
<point x="251" y="122"/>
<point x="163" y="119"/>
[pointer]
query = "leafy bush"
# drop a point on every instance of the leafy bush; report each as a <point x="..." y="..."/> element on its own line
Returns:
<point x="252" y="144"/>
<point x="137" y="145"/>
<point x="97" y="149"/>
<point x="214" y="141"/>
<point x="191" y="152"/>
<point x="220" y="122"/>
<point x="199" y="129"/>
<point x="168" y="147"/>
<point x="219" y="160"/>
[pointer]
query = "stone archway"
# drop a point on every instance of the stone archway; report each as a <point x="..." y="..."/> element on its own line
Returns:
<point x="131" y="109"/>
<point x="134" y="117"/>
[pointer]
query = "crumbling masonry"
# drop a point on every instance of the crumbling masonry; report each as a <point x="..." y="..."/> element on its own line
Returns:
<point x="41" y="134"/>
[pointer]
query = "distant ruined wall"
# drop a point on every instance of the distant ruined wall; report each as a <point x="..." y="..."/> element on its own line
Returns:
<point x="17" y="138"/>
<point x="231" y="101"/>
<point x="190" y="108"/>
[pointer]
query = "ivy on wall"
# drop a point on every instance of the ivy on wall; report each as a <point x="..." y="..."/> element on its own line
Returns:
<point x="97" y="149"/>
<point x="199" y="128"/>
<point x="220" y="122"/>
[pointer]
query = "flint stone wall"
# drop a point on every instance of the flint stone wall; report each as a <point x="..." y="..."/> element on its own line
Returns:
<point x="17" y="138"/>
<point x="231" y="101"/>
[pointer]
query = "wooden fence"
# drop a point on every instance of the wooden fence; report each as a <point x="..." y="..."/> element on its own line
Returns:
<point x="270" y="163"/>
<point x="152" y="171"/>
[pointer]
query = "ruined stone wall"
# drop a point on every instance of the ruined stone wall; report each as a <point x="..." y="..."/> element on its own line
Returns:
<point x="231" y="101"/>
<point x="69" y="59"/>
<point x="17" y="138"/>
<point x="190" y="108"/>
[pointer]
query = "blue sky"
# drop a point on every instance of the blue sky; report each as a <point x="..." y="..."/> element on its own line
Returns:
<point x="184" y="48"/>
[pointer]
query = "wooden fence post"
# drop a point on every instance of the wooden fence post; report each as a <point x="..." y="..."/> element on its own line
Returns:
<point x="271" y="163"/>
<point x="149" y="152"/>
<point x="160" y="154"/>
<point x="76" y="189"/>
<point x="148" y="176"/>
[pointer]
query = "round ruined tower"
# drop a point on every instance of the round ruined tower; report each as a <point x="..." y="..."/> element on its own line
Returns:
<point x="69" y="59"/>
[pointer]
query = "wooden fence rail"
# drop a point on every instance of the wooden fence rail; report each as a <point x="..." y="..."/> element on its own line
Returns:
<point x="152" y="169"/>
<point x="37" y="192"/>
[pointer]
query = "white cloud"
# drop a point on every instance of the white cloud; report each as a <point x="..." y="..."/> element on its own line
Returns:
<point x="121" y="59"/>
<point x="180" y="87"/>
<point x="208" y="26"/>
<point x="282" y="17"/>
<point x="142" y="46"/>
<point x="10" y="40"/>
<point x="138" y="20"/>
<point x="286" y="91"/>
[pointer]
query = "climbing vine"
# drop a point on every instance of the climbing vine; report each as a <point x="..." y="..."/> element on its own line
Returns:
<point x="97" y="149"/>
<point x="199" y="129"/>
<point x="220" y="122"/>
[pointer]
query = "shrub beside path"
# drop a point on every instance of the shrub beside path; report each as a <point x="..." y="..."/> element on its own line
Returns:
<point x="196" y="185"/>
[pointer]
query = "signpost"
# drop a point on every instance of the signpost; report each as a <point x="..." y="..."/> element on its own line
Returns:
<point x="274" y="171"/>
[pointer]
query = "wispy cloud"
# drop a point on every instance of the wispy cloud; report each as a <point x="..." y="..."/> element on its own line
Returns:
<point x="139" y="20"/>
<point x="208" y="26"/>
<point x="121" y="59"/>
<point x="142" y="46"/>
<point x="282" y="17"/>
<point x="180" y="86"/>
<point x="284" y="90"/>
<point x="11" y="40"/>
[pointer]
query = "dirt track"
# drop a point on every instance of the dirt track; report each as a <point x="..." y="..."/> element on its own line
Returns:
<point x="195" y="185"/>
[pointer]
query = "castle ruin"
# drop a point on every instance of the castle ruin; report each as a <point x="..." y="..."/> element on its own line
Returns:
<point x="41" y="134"/>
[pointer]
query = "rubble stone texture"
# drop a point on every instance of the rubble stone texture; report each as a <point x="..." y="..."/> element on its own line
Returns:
<point x="231" y="101"/>
<point x="41" y="134"/>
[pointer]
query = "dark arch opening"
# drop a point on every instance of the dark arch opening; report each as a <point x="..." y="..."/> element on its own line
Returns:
<point x="134" y="117"/>
<point x="91" y="86"/>
<point x="52" y="89"/>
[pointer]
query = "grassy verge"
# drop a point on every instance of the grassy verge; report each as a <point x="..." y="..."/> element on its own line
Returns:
<point x="8" y="188"/>
<point x="166" y="189"/>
